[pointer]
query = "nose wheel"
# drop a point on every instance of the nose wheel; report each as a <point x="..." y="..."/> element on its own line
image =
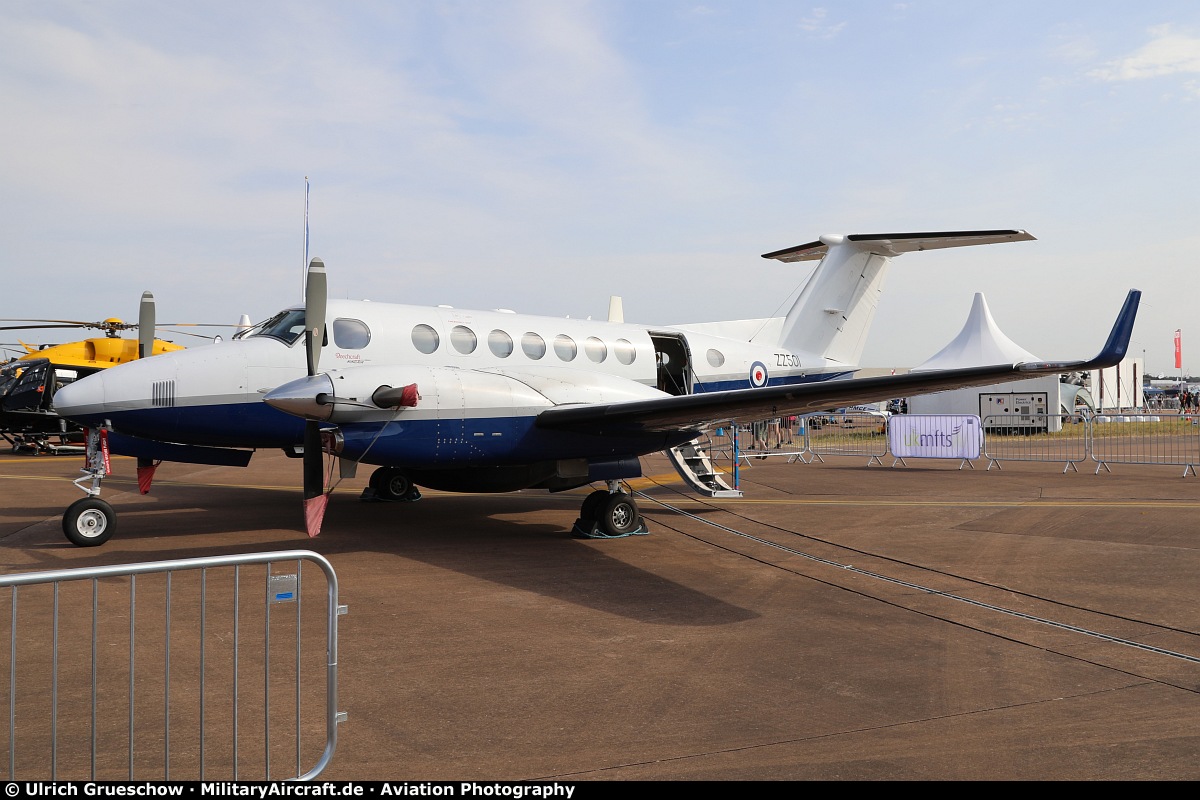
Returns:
<point x="89" y="522"/>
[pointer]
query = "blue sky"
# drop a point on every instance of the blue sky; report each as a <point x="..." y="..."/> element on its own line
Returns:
<point x="541" y="156"/>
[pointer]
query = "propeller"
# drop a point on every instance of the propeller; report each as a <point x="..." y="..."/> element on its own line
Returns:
<point x="146" y="326"/>
<point x="315" y="498"/>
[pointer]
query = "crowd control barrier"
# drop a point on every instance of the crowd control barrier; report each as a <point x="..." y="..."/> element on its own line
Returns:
<point x="1011" y="437"/>
<point x="221" y="668"/>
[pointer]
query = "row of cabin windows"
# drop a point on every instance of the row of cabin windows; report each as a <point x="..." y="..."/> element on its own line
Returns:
<point x="427" y="340"/>
<point x="352" y="334"/>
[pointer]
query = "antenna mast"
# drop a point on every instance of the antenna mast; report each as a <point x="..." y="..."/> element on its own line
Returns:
<point x="304" y="265"/>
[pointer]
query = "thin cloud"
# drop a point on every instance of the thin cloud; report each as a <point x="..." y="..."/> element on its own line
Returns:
<point x="818" y="24"/>
<point x="1167" y="54"/>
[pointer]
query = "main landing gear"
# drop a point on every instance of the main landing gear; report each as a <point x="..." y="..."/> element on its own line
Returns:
<point x="91" y="521"/>
<point x="390" y="485"/>
<point x="609" y="514"/>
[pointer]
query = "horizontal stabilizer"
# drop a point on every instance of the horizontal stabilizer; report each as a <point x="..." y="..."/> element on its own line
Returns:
<point x="893" y="244"/>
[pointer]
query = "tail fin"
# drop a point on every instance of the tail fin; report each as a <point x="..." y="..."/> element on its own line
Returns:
<point x="835" y="309"/>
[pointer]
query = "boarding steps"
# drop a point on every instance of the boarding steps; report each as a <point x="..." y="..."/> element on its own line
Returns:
<point x="695" y="466"/>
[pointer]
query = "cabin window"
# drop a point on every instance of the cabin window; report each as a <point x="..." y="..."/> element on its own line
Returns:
<point x="350" y="334"/>
<point x="500" y="343"/>
<point x="425" y="339"/>
<point x="565" y="347"/>
<point x="716" y="358"/>
<point x="595" y="349"/>
<point x="464" y="339"/>
<point x="533" y="345"/>
<point x="624" y="351"/>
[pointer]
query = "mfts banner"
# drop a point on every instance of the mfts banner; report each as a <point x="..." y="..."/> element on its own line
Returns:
<point x="1178" y="349"/>
<point x="935" y="435"/>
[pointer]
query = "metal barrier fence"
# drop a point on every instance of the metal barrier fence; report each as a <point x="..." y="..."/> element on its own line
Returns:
<point x="1167" y="439"/>
<point x="1171" y="439"/>
<point x="1029" y="437"/>
<point x="1069" y="439"/>
<point x="853" y="433"/>
<point x="780" y="439"/>
<point x="163" y="670"/>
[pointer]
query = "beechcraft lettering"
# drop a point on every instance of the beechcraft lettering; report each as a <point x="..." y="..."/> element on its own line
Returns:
<point x="493" y="401"/>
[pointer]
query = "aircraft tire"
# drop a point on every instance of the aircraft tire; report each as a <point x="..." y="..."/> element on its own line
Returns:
<point x="619" y="515"/>
<point x="393" y="485"/>
<point x="89" y="522"/>
<point x="592" y="503"/>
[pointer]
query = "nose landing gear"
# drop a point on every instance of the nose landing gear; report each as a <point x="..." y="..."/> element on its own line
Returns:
<point x="91" y="521"/>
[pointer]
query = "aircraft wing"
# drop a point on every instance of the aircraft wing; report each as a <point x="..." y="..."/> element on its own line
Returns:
<point x="698" y="411"/>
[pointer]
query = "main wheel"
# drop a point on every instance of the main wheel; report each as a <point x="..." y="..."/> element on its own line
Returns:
<point x="89" y="522"/>
<point x="619" y="515"/>
<point x="392" y="484"/>
<point x="591" y="504"/>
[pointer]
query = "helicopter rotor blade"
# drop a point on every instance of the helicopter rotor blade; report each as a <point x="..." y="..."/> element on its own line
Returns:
<point x="40" y="327"/>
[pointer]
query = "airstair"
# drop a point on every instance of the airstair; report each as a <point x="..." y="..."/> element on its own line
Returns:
<point x="694" y="464"/>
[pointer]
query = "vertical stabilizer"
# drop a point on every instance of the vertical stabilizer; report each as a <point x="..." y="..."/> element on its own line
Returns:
<point x="834" y="311"/>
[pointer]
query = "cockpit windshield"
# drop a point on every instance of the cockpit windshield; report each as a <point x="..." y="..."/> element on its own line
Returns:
<point x="287" y="326"/>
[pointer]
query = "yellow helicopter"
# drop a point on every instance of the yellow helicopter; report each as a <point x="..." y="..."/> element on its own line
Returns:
<point x="28" y="382"/>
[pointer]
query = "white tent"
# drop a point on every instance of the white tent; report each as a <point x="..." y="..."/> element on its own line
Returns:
<point x="979" y="343"/>
<point x="982" y="343"/>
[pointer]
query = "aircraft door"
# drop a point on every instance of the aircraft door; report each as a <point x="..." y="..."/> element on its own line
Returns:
<point x="32" y="389"/>
<point x="674" y="363"/>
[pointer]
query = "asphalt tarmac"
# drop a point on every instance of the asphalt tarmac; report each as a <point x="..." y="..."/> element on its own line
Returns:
<point x="839" y="622"/>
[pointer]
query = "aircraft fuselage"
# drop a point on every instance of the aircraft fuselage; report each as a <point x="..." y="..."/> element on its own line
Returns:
<point x="482" y="378"/>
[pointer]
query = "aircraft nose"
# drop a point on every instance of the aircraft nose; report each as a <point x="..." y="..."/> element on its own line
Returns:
<point x="81" y="399"/>
<point x="310" y="397"/>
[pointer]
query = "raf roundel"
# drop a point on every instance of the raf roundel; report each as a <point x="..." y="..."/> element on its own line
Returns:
<point x="758" y="374"/>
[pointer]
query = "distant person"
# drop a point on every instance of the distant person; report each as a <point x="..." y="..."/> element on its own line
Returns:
<point x="786" y="427"/>
<point x="759" y="431"/>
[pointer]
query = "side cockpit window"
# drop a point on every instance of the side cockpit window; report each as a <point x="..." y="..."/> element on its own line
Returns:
<point x="351" y="334"/>
<point x="286" y="326"/>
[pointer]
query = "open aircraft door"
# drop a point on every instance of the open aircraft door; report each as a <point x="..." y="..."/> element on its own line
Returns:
<point x="674" y="359"/>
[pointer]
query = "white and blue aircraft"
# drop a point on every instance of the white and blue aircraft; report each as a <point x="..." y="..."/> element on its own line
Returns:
<point x="493" y="401"/>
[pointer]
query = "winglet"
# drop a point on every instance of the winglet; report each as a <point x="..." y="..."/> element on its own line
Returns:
<point x="1114" y="349"/>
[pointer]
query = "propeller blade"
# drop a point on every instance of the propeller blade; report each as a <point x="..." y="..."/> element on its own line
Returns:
<point x="314" y="312"/>
<point x="146" y="326"/>
<point x="315" y="498"/>
<point x="315" y="297"/>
